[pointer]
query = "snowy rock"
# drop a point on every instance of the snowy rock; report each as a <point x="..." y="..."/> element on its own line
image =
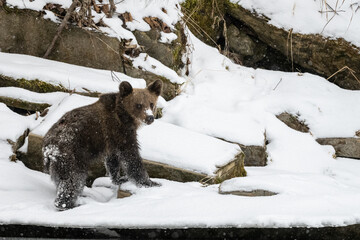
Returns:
<point x="188" y="155"/>
<point x="169" y="54"/>
<point x="25" y="105"/>
<point x="344" y="147"/>
<point x="161" y="170"/>
<point x="293" y="122"/>
<point x="33" y="160"/>
<point x="19" y="142"/>
<point x="77" y="46"/>
<point x="160" y="51"/>
<point x="255" y="156"/>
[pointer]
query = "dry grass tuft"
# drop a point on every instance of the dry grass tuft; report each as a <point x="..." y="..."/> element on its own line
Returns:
<point x="352" y="72"/>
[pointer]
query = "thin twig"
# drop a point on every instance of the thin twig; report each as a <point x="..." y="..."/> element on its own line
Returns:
<point x="195" y="26"/>
<point x="277" y="84"/>
<point x="289" y="38"/>
<point x="108" y="45"/>
<point x="114" y="76"/>
<point x="291" y="51"/>
<point x="61" y="27"/>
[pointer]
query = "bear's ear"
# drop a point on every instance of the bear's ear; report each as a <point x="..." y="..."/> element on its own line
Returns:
<point x="125" y="89"/>
<point x="155" y="87"/>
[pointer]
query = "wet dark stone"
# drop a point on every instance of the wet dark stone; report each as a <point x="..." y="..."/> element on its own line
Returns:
<point x="351" y="232"/>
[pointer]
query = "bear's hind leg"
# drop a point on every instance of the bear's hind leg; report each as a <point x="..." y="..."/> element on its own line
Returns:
<point x="67" y="192"/>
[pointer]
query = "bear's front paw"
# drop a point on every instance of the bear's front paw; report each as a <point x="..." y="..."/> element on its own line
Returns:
<point x="151" y="184"/>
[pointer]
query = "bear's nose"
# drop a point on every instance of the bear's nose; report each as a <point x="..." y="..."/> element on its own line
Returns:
<point x="149" y="119"/>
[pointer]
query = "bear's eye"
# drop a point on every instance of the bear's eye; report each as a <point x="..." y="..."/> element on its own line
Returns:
<point x="151" y="105"/>
<point x="138" y="106"/>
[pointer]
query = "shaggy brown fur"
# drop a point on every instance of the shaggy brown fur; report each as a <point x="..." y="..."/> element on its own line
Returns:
<point x="105" y="130"/>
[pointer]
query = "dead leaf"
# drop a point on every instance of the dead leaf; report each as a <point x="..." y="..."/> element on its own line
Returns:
<point x="127" y="17"/>
<point x="156" y="23"/>
<point x="105" y="9"/>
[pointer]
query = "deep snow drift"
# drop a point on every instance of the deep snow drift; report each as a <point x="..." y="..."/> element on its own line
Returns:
<point x="219" y="99"/>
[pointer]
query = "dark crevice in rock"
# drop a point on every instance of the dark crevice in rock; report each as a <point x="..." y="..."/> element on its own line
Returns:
<point x="21" y="111"/>
<point x="261" y="55"/>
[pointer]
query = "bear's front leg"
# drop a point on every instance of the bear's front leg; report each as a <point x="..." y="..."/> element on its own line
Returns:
<point x="113" y="167"/>
<point x="135" y="169"/>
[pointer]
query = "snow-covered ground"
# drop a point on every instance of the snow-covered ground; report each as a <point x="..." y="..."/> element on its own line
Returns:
<point x="330" y="18"/>
<point x="219" y="99"/>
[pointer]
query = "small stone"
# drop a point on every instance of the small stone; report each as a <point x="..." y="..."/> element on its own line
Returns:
<point x="252" y="193"/>
<point x="357" y="133"/>
<point x="123" y="194"/>
<point x="293" y="122"/>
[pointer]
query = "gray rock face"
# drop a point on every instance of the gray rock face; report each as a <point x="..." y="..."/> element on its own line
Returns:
<point x="255" y="156"/>
<point x="157" y="50"/>
<point x="239" y="42"/>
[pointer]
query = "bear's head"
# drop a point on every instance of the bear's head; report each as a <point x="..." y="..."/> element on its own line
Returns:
<point x="140" y="103"/>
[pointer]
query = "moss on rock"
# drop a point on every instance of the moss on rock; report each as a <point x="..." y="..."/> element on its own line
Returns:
<point x="203" y="17"/>
<point x="35" y="85"/>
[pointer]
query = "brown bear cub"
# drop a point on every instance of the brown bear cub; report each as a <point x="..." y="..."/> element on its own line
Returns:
<point x="103" y="131"/>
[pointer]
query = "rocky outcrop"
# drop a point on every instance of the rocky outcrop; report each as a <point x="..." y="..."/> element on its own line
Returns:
<point x="254" y="42"/>
<point x="322" y="55"/>
<point x="26" y="32"/>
